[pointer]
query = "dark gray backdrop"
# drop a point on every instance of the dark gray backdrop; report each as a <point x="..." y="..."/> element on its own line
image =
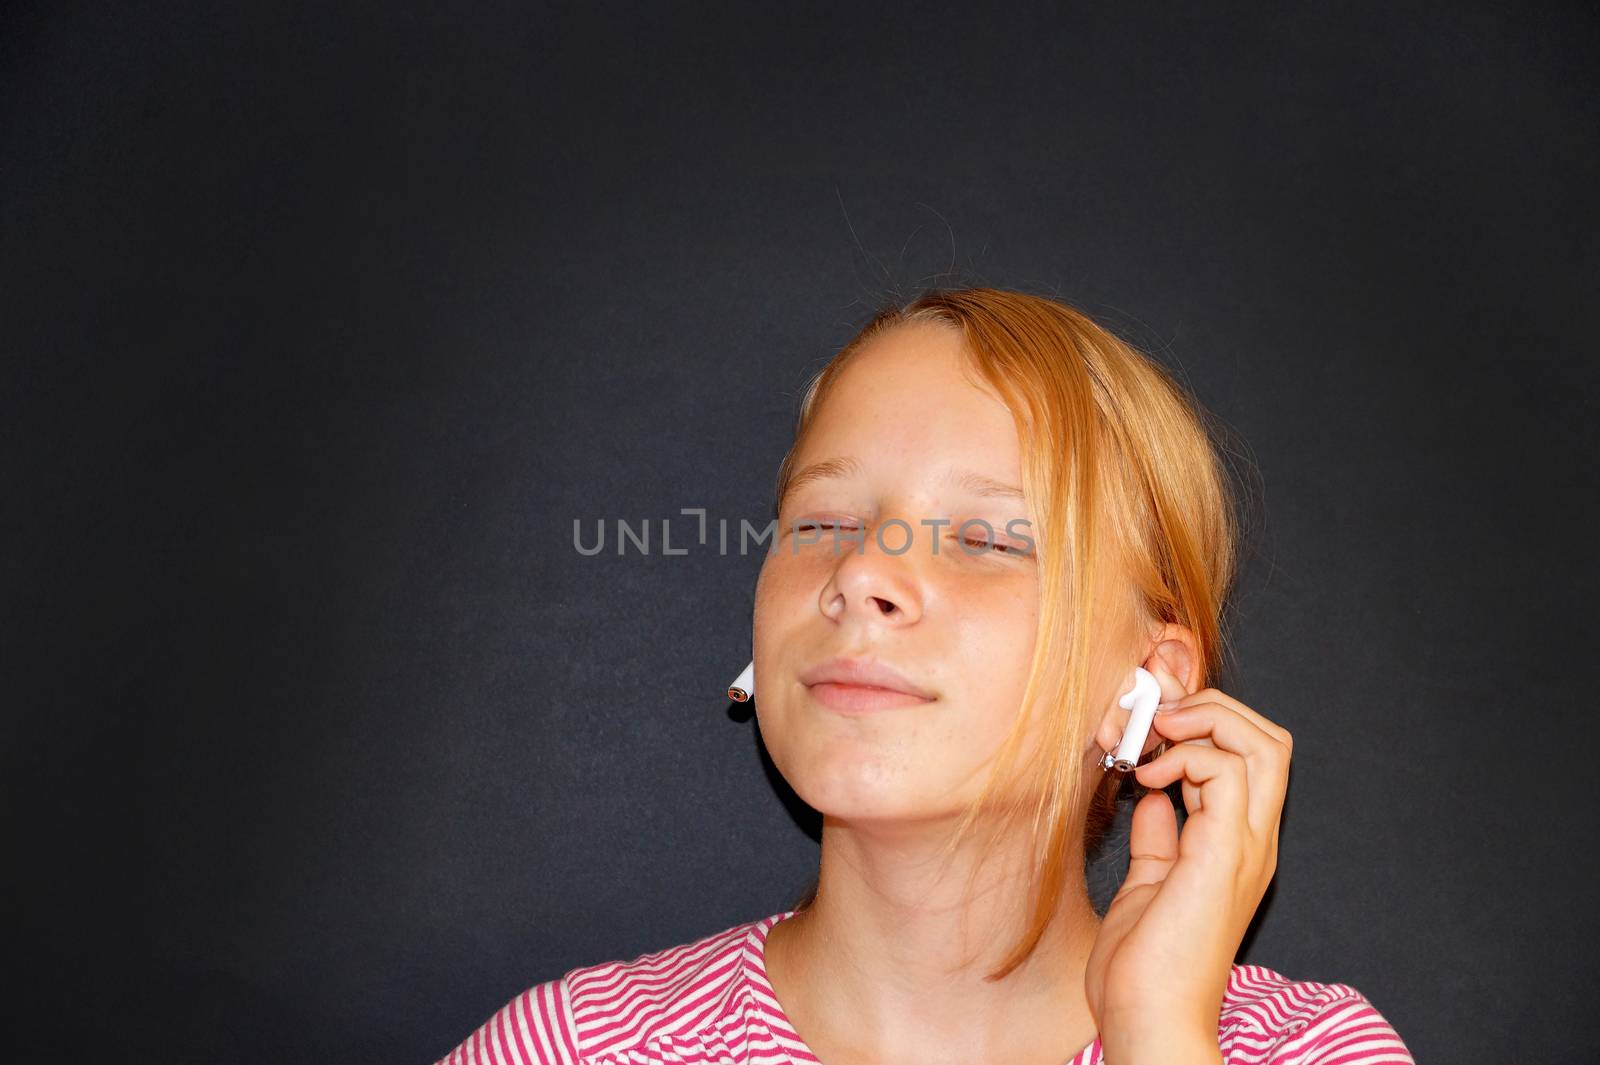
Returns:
<point x="320" y="327"/>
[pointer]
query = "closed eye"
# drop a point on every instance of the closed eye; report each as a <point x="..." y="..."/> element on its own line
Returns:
<point x="1005" y="549"/>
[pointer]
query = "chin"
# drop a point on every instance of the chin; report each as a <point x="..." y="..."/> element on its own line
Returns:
<point x="850" y="774"/>
<point x="862" y="792"/>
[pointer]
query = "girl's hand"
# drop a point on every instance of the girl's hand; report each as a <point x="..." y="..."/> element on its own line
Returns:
<point x="1160" y="964"/>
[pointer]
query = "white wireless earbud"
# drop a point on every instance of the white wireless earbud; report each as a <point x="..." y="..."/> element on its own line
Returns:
<point x="744" y="686"/>
<point x="1141" y="699"/>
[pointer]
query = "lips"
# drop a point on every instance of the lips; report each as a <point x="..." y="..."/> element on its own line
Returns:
<point x="862" y="674"/>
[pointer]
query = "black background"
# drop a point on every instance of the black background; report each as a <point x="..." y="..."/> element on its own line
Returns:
<point x="320" y="327"/>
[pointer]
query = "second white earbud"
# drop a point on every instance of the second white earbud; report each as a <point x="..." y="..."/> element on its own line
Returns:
<point x="1141" y="699"/>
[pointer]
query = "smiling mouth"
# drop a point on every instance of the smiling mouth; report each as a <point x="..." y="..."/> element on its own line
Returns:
<point x="862" y="698"/>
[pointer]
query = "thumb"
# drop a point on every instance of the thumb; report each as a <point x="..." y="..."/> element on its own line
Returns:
<point x="1152" y="841"/>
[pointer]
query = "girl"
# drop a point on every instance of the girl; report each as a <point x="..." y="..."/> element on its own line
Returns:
<point x="992" y="512"/>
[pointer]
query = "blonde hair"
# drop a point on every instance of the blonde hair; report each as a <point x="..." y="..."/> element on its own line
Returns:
<point x="1124" y="476"/>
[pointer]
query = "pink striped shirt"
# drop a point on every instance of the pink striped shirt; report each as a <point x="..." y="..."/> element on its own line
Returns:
<point x="709" y="1003"/>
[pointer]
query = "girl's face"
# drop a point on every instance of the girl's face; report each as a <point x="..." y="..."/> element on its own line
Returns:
<point x="906" y="435"/>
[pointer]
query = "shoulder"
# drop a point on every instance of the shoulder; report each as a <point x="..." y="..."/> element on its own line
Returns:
<point x="603" y="1011"/>
<point x="1269" y="1018"/>
<point x="535" y="1028"/>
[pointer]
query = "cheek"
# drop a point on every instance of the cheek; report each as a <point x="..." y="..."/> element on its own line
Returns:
<point x="785" y="604"/>
<point x="787" y="589"/>
<point x="776" y="591"/>
<point x="990" y="650"/>
<point x="994" y="629"/>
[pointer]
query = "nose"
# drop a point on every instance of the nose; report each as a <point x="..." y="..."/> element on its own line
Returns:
<point x="874" y="585"/>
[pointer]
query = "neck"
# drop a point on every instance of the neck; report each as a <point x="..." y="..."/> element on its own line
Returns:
<point x="889" y="962"/>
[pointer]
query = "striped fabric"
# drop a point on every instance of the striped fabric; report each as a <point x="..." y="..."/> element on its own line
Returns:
<point x="709" y="1003"/>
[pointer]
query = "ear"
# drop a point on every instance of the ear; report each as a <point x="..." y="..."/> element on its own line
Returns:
<point x="1174" y="660"/>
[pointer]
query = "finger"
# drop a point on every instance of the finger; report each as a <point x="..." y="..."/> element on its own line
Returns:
<point x="1171" y="684"/>
<point x="1212" y="695"/>
<point x="1218" y="776"/>
<point x="1266" y="759"/>
<point x="1152" y="841"/>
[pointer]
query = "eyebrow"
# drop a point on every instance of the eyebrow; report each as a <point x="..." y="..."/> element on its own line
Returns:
<point x="971" y="480"/>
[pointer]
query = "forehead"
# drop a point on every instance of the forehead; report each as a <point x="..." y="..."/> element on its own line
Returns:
<point x="912" y="375"/>
<point x="909" y="403"/>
